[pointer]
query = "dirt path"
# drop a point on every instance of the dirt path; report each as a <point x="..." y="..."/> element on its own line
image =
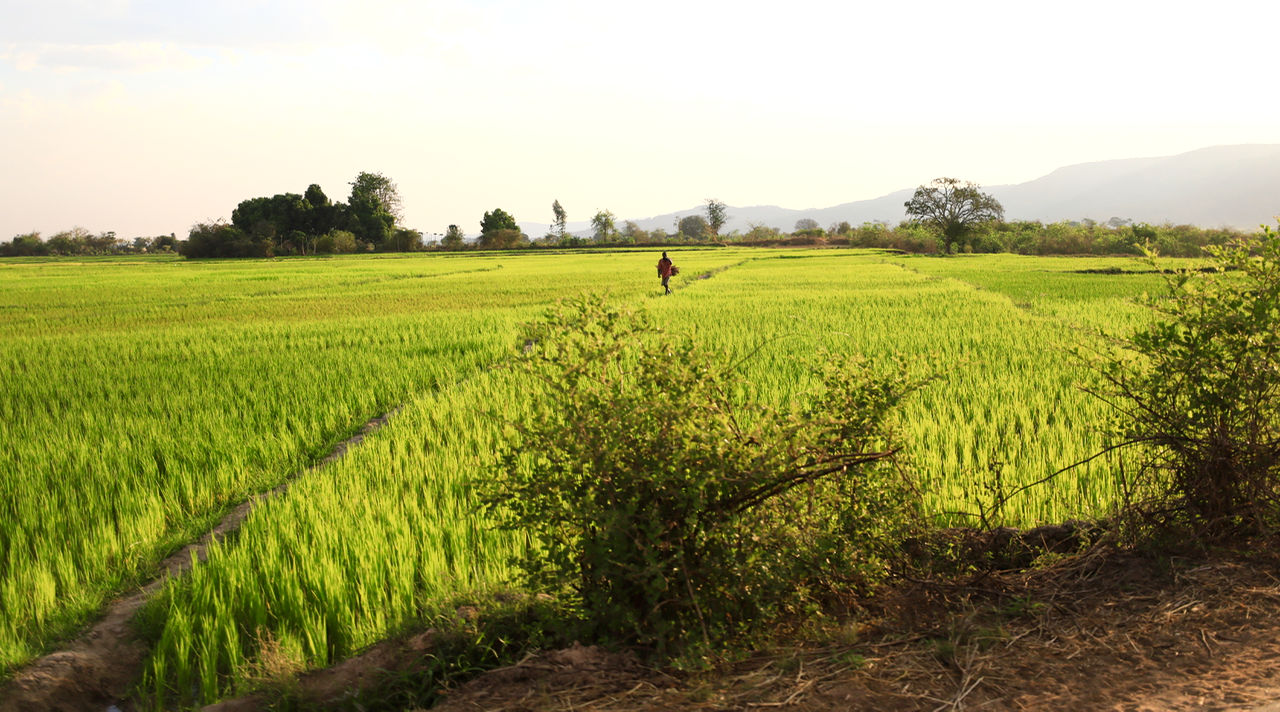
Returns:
<point x="95" y="671"/>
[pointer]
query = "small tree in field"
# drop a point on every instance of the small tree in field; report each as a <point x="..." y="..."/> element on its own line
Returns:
<point x="499" y="219"/>
<point x="1197" y="395"/>
<point x="717" y="215"/>
<point x="452" y="239"/>
<point x="953" y="208"/>
<point x="694" y="226"/>
<point x="603" y="224"/>
<point x="561" y="218"/>
<point x="673" y="505"/>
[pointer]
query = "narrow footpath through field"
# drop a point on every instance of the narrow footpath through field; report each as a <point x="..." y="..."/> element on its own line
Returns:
<point x="96" y="670"/>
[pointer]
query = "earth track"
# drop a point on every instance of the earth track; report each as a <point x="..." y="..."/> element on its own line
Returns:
<point x="94" y="672"/>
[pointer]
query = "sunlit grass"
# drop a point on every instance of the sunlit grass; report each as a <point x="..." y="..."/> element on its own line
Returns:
<point x="143" y="399"/>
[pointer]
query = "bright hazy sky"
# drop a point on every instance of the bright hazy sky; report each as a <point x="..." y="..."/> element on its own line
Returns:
<point x="144" y="117"/>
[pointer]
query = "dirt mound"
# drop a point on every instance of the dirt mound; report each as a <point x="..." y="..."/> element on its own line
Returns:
<point x="1109" y="631"/>
<point x="90" y="674"/>
<point x="558" y="679"/>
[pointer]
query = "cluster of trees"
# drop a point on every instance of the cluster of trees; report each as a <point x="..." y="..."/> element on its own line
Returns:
<point x="1116" y="236"/>
<point x="79" y="241"/>
<point x="310" y="223"/>
<point x="950" y="215"/>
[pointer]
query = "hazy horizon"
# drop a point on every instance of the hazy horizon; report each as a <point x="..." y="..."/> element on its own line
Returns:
<point x="144" y="117"/>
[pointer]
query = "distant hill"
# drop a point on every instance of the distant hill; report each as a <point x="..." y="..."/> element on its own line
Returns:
<point x="1235" y="186"/>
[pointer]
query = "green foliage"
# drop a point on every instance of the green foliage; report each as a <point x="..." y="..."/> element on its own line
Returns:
<point x="76" y="241"/>
<point x="405" y="240"/>
<point x="504" y="239"/>
<point x="452" y="239"/>
<point x="695" y="226"/>
<point x="1197" y="394"/>
<point x="293" y="223"/>
<point x="953" y="208"/>
<point x="671" y="501"/>
<point x="337" y="242"/>
<point x="375" y="193"/>
<point x="717" y="215"/>
<point x="807" y="224"/>
<point x="561" y="218"/>
<point x="603" y="225"/>
<point x="218" y="239"/>
<point x="499" y="219"/>
<point x="373" y="209"/>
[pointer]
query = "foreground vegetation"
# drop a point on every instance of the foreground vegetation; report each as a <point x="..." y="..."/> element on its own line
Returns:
<point x="215" y="380"/>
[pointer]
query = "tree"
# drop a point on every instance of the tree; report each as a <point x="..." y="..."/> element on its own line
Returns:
<point x="953" y="208"/>
<point x="561" y="218"/>
<point x="632" y="232"/>
<point x="322" y="217"/>
<point x="452" y="239"/>
<point x="717" y="215"/>
<point x="405" y="240"/>
<point x="499" y="219"/>
<point x="694" y="226"/>
<point x="377" y="189"/>
<point x="373" y="208"/>
<point x="603" y="224"/>
<point x="807" y="224"/>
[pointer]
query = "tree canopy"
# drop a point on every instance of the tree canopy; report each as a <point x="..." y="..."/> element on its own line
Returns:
<point x="561" y="218"/>
<point x="289" y="223"/>
<point x="499" y="219"/>
<point x="604" y="225"/>
<point x="695" y="226"/>
<point x="717" y="215"/>
<point x="953" y="208"/>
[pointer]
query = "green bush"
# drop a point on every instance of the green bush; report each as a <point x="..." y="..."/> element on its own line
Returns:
<point x="671" y="504"/>
<point x="1197" y="395"/>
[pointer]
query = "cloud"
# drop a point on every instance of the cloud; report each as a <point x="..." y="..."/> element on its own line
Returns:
<point x="128" y="57"/>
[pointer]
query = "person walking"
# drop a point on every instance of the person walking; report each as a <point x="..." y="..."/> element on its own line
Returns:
<point x="665" y="269"/>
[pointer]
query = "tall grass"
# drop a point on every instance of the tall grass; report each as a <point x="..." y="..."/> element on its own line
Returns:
<point x="146" y="398"/>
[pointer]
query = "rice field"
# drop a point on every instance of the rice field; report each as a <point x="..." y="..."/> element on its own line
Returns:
<point x="144" y="398"/>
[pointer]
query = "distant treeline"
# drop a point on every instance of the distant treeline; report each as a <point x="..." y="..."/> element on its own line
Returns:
<point x="292" y="224"/>
<point x="79" y="241"/>
<point x="1030" y="237"/>
<point x="1117" y="237"/>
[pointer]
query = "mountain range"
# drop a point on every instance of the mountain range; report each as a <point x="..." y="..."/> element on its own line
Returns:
<point x="1221" y="186"/>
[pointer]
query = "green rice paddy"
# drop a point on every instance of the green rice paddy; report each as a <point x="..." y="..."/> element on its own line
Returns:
<point x="144" y="398"/>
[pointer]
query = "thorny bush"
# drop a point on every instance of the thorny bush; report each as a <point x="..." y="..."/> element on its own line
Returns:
<point x="1196" y="396"/>
<point x="673" y="505"/>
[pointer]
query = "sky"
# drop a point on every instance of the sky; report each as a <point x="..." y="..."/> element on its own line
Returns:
<point x="144" y="117"/>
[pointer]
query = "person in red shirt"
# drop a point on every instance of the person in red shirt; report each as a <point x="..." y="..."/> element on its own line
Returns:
<point x="665" y="270"/>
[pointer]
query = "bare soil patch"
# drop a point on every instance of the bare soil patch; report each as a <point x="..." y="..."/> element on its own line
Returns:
<point x="1109" y="630"/>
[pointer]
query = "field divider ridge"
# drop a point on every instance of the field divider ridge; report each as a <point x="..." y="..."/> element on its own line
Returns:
<point x="107" y="659"/>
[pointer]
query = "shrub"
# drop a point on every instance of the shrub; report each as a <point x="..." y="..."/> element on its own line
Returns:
<point x="1197" y="394"/>
<point x="218" y="239"/>
<point x="337" y="242"/>
<point x="671" y="503"/>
